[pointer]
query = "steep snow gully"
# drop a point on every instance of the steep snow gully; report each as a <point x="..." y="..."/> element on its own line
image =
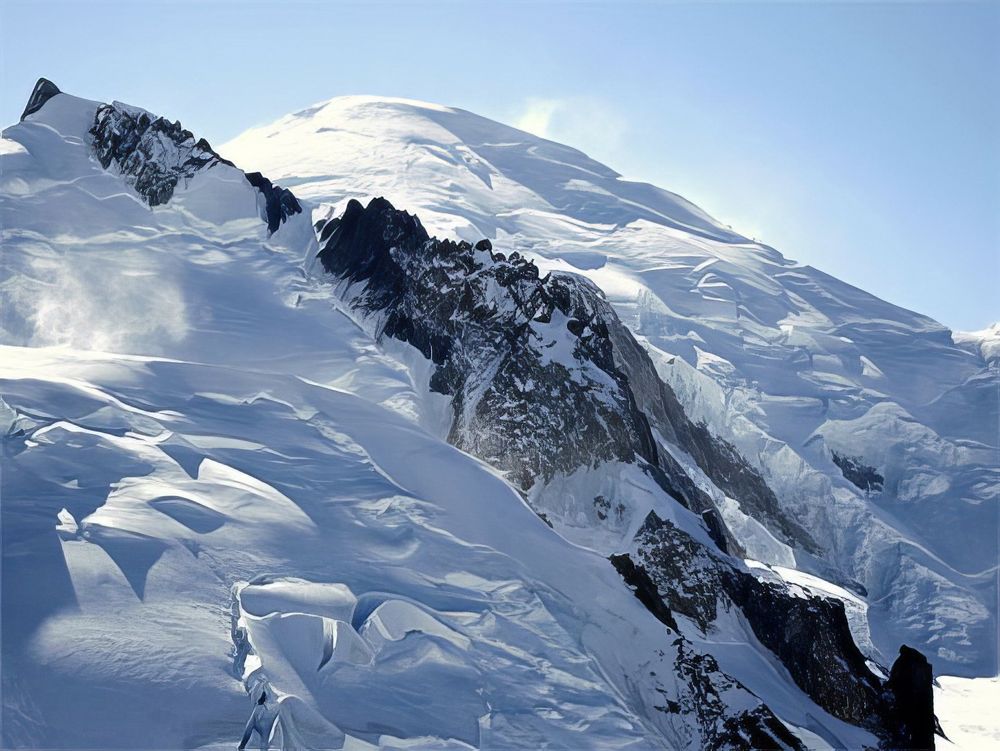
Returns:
<point x="597" y="472"/>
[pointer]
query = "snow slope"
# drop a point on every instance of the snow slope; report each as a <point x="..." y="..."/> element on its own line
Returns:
<point x="214" y="480"/>
<point x="970" y="703"/>
<point x="480" y="636"/>
<point x="792" y="366"/>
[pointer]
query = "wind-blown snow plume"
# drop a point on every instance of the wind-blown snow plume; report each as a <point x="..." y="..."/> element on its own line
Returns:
<point x="105" y="309"/>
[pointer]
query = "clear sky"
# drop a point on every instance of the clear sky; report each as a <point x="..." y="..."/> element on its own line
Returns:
<point x="863" y="139"/>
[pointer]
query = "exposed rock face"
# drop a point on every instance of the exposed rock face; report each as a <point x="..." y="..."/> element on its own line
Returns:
<point x="280" y="203"/>
<point x="860" y="474"/>
<point x="753" y="729"/>
<point x="910" y="696"/>
<point x="528" y="360"/>
<point x="716" y="529"/>
<point x="645" y="590"/>
<point x="811" y="637"/>
<point x="44" y="90"/>
<point x="688" y="576"/>
<point x="153" y="155"/>
<point x="808" y="634"/>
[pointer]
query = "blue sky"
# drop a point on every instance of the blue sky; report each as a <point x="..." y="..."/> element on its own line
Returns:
<point x="858" y="138"/>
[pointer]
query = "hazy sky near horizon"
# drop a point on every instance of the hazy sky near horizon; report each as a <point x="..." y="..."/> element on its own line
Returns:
<point x="863" y="139"/>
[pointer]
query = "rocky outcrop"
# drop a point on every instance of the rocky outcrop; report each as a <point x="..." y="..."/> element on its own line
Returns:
<point x="280" y="203"/>
<point x="527" y="359"/>
<point x="705" y="699"/>
<point x="151" y="153"/>
<point x="910" y="699"/>
<point x="645" y="590"/>
<point x="44" y="90"/>
<point x="154" y="155"/>
<point x="809" y="635"/>
<point x="688" y="576"/>
<point x="811" y="638"/>
<point x="861" y="475"/>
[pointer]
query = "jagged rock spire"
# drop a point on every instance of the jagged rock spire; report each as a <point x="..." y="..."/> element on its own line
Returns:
<point x="911" y="691"/>
<point x="44" y="90"/>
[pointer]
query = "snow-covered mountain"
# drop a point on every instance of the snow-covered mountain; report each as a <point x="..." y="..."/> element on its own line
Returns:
<point x="453" y="492"/>
<point x="819" y="385"/>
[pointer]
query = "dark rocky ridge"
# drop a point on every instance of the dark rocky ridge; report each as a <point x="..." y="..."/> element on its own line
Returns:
<point x="812" y="639"/>
<point x="475" y="314"/>
<point x="280" y="203"/>
<point x="488" y="323"/>
<point x="638" y="578"/>
<point x="153" y="155"/>
<point x="861" y="475"/>
<point x="808" y="634"/>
